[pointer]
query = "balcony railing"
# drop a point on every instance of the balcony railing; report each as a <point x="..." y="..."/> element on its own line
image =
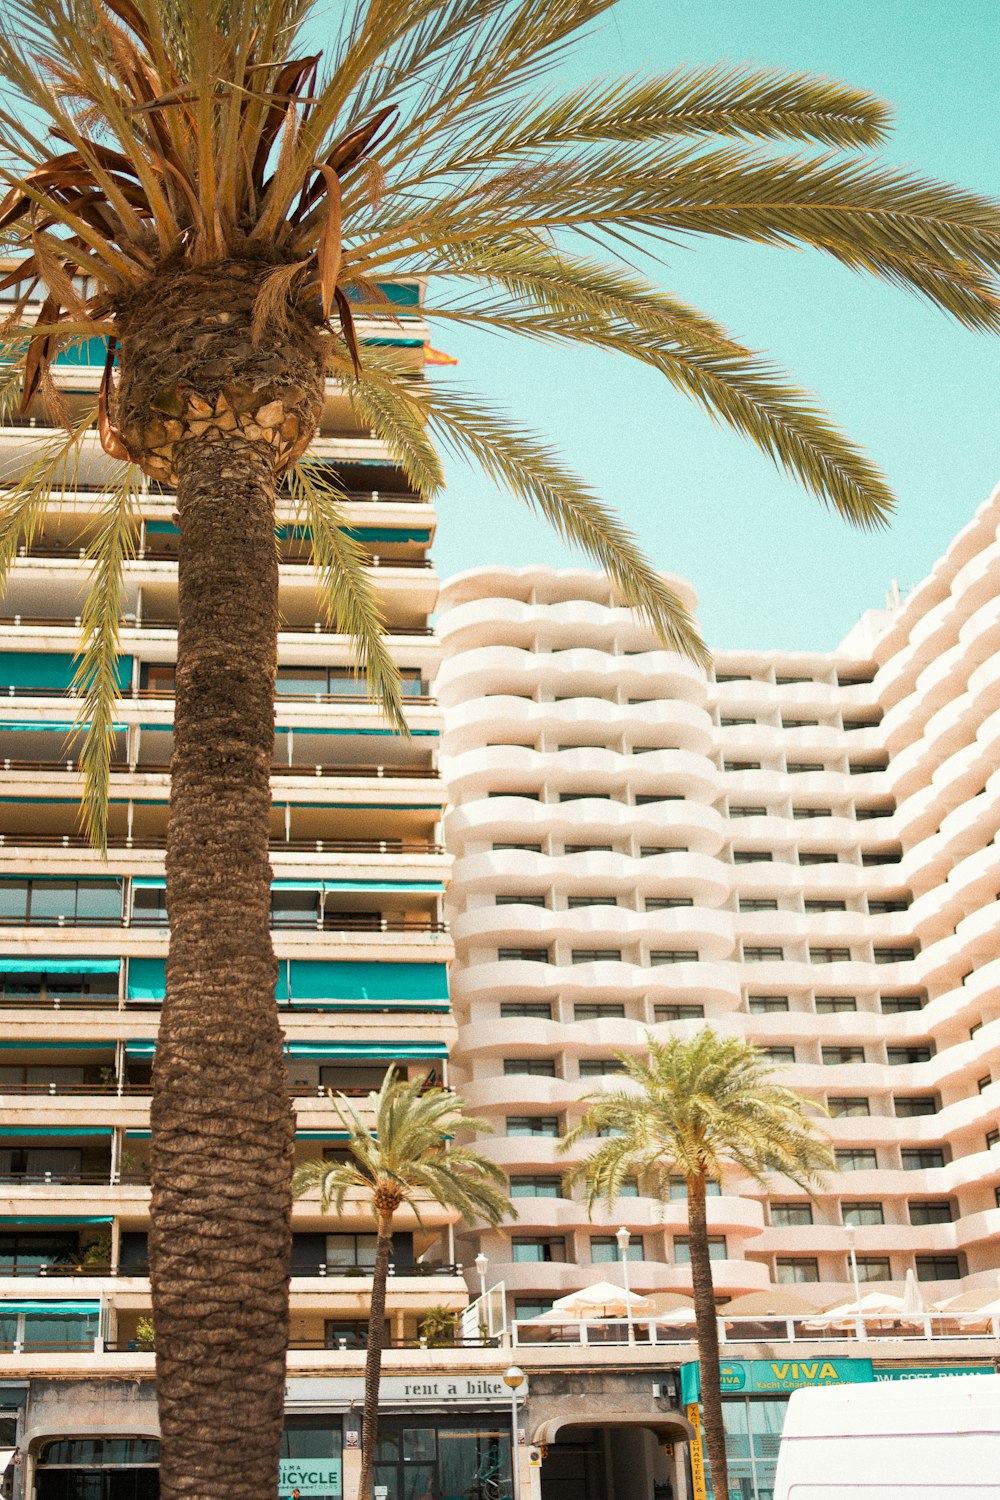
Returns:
<point x="915" y="1328"/>
<point x="129" y="622"/>
<point x="141" y="1268"/>
<point x="325" y="922"/>
<point x="147" y="768"/>
<point x="165" y="554"/>
<point x="317" y="846"/>
<point x="167" y="692"/>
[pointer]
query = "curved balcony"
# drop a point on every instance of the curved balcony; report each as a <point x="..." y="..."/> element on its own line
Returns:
<point x="487" y="871"/>
<point x="585" y="819"/>
<point x="575" y="671"/>
<point x="668" y="724"/>
<point x="705" y="983"/>
<point x="710" y="932"/>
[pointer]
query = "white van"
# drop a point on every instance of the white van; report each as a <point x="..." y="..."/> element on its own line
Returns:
<point x="933" y="1439"/>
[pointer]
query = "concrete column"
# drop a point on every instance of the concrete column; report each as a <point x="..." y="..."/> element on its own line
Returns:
<point x="351" y="1472"/>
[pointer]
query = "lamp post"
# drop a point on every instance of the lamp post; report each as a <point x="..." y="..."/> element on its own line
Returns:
<point x="623" y="1236"/>
<point x="513" y="1379"/>
<point x="480" y="1264"/>
<point x="851" y="1235"/>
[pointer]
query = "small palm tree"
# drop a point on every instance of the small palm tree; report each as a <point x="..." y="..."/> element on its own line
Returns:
<point x="404" y="1156"/>
<point x="693" y="1108"/>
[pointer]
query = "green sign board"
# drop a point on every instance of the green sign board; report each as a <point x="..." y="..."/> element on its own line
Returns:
<point x="308" y="1476"/>
<point x="770" y="1377"/>
<point x="899" y="1372"/>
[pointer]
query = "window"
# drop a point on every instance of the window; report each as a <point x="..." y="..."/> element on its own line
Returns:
<point x="646" y="799"/>
<point x="800" y="767"/>
<point x="754" y="904"/>
<point x="649" y="851"/>
<point x="518" y="792"/>
<point x="973" y="1029"/>
<point x="896" y="1057"/>
<point x="535" y="1010"/>
<point x="588" y="849"/>
<point x="983" y="1083"/>
<point x="857" y="1215"/>
<point x="938" y="1268"/>
<point x="767" y="1005"/>
<point x="752" y="857"/>
<point x="787" y="681"/>
<point x="756" y="955"/>
<point x="854" y="681"/>
<point x="520" y="901"/>
<point x="897" y="1005"/>
<point x="678" y="1190"/>
<point x="848" y="1107"/>
<point x="604" y="1248"/>
<point x="730" y="723"/>
<point x="873" y="1268"/>
<point x="927" y="1211"/>
<point x="862" y="723"/>
<point x="598" y="1010"/>
<point x="834" y="1056"/>
<point x="829" y="955"/>
<point x="826" y="906"/>
<point x="666" y="903"/>
<point x="536" y="1187"/>
<point x="865" y="814"/>
<point x="866" y="767"/>
<point x="678" y="1013"/>
<point x="527" y="848"/>
<point x="779" y="1054"/>
<point x="748" y="812"/>
<point x="921" y="1158"/>
<point x="791" y="1215"/>
<point x="576" y="903"/>
<point x="812" y="812"/>
<point x="535" y="1249"/>
<point x="531" y="1067"/>
<point x="791" y="1269"/>
<point x="741" y="765"/>
<point x="856" y="1159"/>
<point x="50" y="903"/>
<point x="881" y="859"/>
<point x="835" y="1005"/>
<point x="524" y="955"/>
<point x="799" y="723"/>
<point x="546" y="1125"/>
<point x="733" y="677"/>
<point x="600" y="1067"/>
<point x="894" y="955"/>
<point x="585" y="796"/>
<point x="816" y="859"/>
<point x="596" y="955"/>
<point x="526" y="1308"/>
<point x="350" y="1251"/>
<point x="660" y="956"/>
<point x="682" y="1249"/>
<point x="992" y="1139"/>
<point x="914" y="1105"/>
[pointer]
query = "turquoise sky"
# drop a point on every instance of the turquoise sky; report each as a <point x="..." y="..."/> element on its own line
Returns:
<point x="771" y="567"/>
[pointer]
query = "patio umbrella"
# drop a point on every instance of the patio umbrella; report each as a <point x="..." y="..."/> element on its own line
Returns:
<point x="982" y="1315"/>
<point x="876" y="1308"/>
<point x="674" y="1317"/>
<point x="602" y="1300"/>
<point x="776" y="1302"/>
<point x="913" y="1302"/>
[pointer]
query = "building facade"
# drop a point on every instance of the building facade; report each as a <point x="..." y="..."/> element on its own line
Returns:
<point x="796" y="847"/>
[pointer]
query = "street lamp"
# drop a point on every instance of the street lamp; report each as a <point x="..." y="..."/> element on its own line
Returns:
<point x="851" y="1235"/>
<point x="513" y="1379"/>
<point x="480" y="1264"/>
<point x="623" y="1238"/>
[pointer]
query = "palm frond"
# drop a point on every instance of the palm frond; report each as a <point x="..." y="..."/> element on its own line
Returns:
<point x="96" y="680"/>
<point x="523" y="464"/>
<point x="348" y="593"/>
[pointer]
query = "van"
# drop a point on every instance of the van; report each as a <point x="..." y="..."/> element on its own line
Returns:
<point x="936" y="1439"/>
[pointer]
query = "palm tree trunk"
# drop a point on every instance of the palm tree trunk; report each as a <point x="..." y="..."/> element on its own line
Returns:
<point x="708" y="1336"/>
<point x="223" y="1129"/>
<point x="373" y="1361"/>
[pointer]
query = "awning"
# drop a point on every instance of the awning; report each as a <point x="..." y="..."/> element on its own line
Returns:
<point x="45" y="965"/>
<point x="158" y="883"/>
<point x="57" y="1309"/>
<point x="322" y="1135"/>
<point x="49" y="671"/>
<point x="13" y="726"/>
<point x="56" y="1218"/>
<point x="367" y="1051"/>
<point x="341" y="982"/>
<point x="312" y="729"/>
<point x="61" y="1130"/>
<point x="136" y="1047"/>
<point x="66" y="1046"/>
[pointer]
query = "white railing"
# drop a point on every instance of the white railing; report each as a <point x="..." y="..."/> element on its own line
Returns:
<point x="919" y="1328"/>
<point x="486" y="1317"/>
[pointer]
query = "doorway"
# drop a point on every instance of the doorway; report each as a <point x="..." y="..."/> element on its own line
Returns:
<point x="574" y="1470"/>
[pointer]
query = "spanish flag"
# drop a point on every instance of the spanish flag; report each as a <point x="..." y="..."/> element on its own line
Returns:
<point x="435" y="357"/>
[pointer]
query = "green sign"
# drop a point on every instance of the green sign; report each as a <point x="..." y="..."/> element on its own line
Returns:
<point x="768" y="1377"/>
<point x="900" y="1373"/>
<point x="308" y="1476"/>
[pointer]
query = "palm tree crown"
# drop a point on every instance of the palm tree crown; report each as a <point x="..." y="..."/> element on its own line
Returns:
<point x="407" y="1155"/>
<point x="697" y="1106"/>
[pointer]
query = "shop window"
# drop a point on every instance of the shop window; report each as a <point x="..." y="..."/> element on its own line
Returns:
<point x="311" y="1446"/>
<point x="121" y="1468"/>
<point x="426" y="1456"/>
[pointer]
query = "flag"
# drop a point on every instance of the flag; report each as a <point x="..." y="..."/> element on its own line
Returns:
<point x="435" y="357"/>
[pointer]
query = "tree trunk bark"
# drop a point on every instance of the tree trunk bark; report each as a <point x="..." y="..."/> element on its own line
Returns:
<point x="708" y="1336"/>
<point x="373" y="1361"/>
<point x="223" y="1128"/>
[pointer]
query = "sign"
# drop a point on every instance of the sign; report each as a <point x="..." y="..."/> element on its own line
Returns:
<point x="770" y="1377"/>
<point x="403" y="1390"/>
<point x="696" y="1452"/>
<point x="939" y="1371"/>
<point x="310" y="1476"/>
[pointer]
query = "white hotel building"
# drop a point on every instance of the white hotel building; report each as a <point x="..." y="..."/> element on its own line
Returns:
<point x="799" y="848"/>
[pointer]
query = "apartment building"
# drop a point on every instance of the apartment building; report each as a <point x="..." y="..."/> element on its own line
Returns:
<point x="359" y="875"/>
<point x="798" y="848"/>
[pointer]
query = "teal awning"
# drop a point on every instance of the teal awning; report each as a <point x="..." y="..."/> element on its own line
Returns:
<point x="52" y="670"/>
<point x="311" y="729"/>
<point x="388" y="534"/>
<point x="322" y="1135"/>
<point x="18" y="726"/>
<point x="339" y="981"/>
<point x="45" y="965"/>
<point x="147" y="978"/>
<point x="68" y="1130"/>
<point x="67" y="1046"/>
<point x="57" y="1309"/>
<point x="138" y="1135"/>
<point x="367" y="1051"/>
<point x="149" y="882"/>
<point x="136" y="1047"/>
<point x="162" y="528"/>
<point x="56" y="1218"/>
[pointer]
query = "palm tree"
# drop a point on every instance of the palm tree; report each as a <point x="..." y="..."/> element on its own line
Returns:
<point x="404" y="1155"/>
<point x="694" y="1107"/>
<point x="190" y="181"/>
